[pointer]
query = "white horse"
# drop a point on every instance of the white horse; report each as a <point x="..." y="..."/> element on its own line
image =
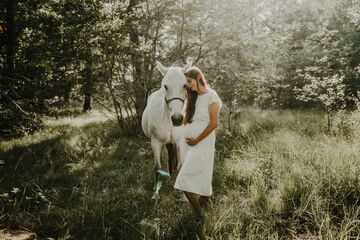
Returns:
<point x="163" y="116"/>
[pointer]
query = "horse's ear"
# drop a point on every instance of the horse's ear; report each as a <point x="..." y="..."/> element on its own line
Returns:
<point x="161" y="68"/>
<point x="187" y="66"/>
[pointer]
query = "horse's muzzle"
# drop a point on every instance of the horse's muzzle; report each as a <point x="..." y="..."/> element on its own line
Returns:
<point x="177" y="120"/>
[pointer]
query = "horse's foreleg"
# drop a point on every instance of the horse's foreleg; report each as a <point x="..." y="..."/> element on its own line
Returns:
<point x="170" y="150"/>
<point x="180" y="152"/>
<point x="176" y="158"/>
<point x="156" y="147"/>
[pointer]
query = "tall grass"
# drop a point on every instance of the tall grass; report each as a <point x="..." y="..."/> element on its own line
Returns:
<point x="294" y="181"/>
<point x="278" y="176"/>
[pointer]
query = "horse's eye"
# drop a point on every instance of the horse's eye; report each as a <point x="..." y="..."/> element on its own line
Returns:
<point x="165" y="87"/>
<point x="184" y="85"/>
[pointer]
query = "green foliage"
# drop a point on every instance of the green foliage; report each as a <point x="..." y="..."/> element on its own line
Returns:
<point x="330" y="92"/>
<point x="257" y="53"/>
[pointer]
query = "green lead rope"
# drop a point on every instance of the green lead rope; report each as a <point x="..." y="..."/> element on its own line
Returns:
<point x="159" y="182"/>
<point x="158" y="186"/>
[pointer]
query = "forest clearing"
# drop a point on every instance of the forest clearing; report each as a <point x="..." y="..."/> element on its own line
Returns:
<point x="284" y="83"/>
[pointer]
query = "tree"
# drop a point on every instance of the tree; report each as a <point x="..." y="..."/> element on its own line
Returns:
<point x="13" y="117"/>
<point x="327" y="78"/>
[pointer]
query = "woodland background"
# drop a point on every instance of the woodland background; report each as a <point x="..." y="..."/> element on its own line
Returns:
<point x="269" y="54"/>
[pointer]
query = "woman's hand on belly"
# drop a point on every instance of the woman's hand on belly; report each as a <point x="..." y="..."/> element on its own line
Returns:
<point x="192" y="141"/>
<point x="194" y="129"/>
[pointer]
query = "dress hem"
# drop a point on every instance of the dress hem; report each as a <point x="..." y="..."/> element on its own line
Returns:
<point x="192" y="191"/>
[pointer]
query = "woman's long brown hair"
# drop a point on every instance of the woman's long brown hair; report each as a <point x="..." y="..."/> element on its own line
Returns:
<point x="194" y="73"/>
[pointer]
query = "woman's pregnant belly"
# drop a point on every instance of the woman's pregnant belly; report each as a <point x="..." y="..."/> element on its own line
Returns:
<point x="194" y="129"/>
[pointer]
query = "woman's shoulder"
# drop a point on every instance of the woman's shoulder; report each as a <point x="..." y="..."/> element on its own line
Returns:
<point x="214" y="97"/>
<point x="212" y="92"/>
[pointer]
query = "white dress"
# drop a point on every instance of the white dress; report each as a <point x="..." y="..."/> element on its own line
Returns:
<point x="196" y="173"/>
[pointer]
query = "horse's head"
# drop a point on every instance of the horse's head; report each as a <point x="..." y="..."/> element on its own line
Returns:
<point x="174" y="84"/>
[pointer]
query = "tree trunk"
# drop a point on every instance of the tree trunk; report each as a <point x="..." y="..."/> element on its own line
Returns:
<point x="16" y="117"/>
<point x="10" y="38"/>
<point x="328" y="116"/>
<point x="88" y="86"/>
<point x="136" y="60"/>
<point x="67" y="94"/>
<point x="67" y="88"/>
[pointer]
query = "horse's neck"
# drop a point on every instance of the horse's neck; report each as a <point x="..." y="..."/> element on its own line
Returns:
<point x="161" y="108"/>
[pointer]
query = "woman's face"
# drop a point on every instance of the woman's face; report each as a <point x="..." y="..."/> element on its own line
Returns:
<point x="191" y="83"/>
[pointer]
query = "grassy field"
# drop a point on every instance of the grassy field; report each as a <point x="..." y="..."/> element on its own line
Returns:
<point x="279" y="175"/>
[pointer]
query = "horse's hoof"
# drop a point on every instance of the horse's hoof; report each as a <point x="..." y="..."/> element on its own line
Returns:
<point x="156" y="196"/>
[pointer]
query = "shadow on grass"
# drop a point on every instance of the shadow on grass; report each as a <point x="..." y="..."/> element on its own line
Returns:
<point x="83" y="183"/>
<point x="24" y="164"/>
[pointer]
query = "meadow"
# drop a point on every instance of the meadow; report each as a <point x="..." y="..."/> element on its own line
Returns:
<point x="277" y="175"/>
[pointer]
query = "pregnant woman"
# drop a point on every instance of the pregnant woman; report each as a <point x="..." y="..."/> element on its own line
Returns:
<point x="201" y="119"/>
